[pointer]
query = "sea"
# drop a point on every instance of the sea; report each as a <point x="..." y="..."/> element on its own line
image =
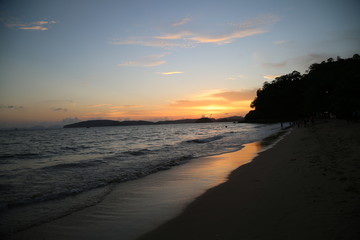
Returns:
<point x="47" y="169"/>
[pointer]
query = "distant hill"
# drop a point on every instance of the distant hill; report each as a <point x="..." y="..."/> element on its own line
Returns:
<point x="112" y="123"/>
<point x="205" y="120"/>
<point x="105" y="123"/>
<point x="231" y="119"/>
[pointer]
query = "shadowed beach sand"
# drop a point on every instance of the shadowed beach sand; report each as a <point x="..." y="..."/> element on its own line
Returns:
<point x="306" y="187"/>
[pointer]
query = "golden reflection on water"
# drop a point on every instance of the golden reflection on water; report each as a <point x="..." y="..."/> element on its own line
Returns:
<point x="215" y="169"/>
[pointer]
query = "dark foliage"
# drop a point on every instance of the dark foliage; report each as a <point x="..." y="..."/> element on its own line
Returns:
<point x="331" y="87"/>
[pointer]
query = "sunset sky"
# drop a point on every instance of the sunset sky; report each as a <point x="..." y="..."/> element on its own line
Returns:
<point x="70" y="60"/>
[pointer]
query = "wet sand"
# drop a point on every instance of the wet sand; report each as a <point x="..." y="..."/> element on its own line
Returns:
<point x="306" y="187"/>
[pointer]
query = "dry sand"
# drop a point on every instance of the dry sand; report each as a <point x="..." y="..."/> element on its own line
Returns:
<point x="306" y="187"/>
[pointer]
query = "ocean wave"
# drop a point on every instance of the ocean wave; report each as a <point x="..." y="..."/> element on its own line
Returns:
<point x="82" y="164"/>
<point x="138" y="152"/>
<point x="206" y="140"/>
<point x="74" y="148"/>
<point x="66" y="169"/>
<point x="48" y="196"/>
<point x="19" y="155"/>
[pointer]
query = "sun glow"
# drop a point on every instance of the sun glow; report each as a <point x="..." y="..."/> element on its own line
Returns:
<point x="216" y="108"/>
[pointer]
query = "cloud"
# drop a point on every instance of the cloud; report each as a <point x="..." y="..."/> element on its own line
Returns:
<point x="116" y="112"/>
<point x="217" y="100"/>
<point x="174" y="36"/>
<point x="59" y="109"/>
<point x="240" y="76"/>
<point x="235" y="96"/>
<point x="11" y="22"/>
<point x="271" y="77"/>
<point x="153" y="42"/>
<point x="111" y="106"/>
<point x="181" y="22"/>
<point x="126" y="106"/>
<point x="226" y="38"/>
<point x="98" y="105"/>
<point x="58" y="101"/>
<point x="198" y="103"/>
<point x="148" y="61"/>
<point x="258" y="21"/>
<point x="34" y="28"/>
<point x="187" y="38"/>
<point x="169" y="73"/>
<point x="141" y="63"/>
<point x="11" y="107"/>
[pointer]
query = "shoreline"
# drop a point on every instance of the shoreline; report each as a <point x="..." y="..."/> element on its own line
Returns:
<point x="305" y="187"/>
<point x="144" y="204"/>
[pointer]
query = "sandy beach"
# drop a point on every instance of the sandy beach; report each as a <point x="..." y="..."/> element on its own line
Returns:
<point x="306" y="187"/>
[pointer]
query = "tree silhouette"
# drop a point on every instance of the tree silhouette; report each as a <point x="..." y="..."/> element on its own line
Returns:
<point x="329" y="87"/>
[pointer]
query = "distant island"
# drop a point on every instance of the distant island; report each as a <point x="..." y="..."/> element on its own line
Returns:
<point x="112" y="123"/>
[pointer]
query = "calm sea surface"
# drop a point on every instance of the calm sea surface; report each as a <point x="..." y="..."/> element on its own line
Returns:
<point x="44" y="166"/>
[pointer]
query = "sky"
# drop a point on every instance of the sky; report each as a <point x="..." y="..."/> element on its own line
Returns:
<point x="63" y="61"/>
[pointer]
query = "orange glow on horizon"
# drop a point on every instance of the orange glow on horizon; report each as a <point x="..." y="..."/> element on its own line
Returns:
<point x="215" y="103"/>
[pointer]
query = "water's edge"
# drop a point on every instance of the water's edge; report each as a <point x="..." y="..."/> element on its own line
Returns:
<point x="113" y="190"/>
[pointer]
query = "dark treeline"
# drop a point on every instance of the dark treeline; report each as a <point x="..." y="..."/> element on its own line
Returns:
<point x="327" y="88"/>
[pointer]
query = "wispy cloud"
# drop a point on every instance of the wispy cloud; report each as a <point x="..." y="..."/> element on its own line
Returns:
<point x="259" y="21"/>
<point x="155" y="41"/>
<point x="174" y="36"/>
<point x="181" y="22"/>
<point x="169" y="73"/>
<point x="58" y="101"/>
<point x="148" y="61"/>
<point x="59" y="109"/>
<point x="98" y="105"/>
<point x="235" y="96"/>
<point x="186" y="38"/>
<point x="240" y="76"/>
<point x="40" y="28"/>
<point x="126" y="106"/>
<point x="12" y="22"/>
<point x="141" y="63"/>
<point x="198" y="103"/>
<point x="214" y="38"/>
<point x="226" y="38"/>
<point x="217" y="100"/>
<point x="271" y="77"/>
<point x="11" y="107"/>
<point x="111" y="106"/>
